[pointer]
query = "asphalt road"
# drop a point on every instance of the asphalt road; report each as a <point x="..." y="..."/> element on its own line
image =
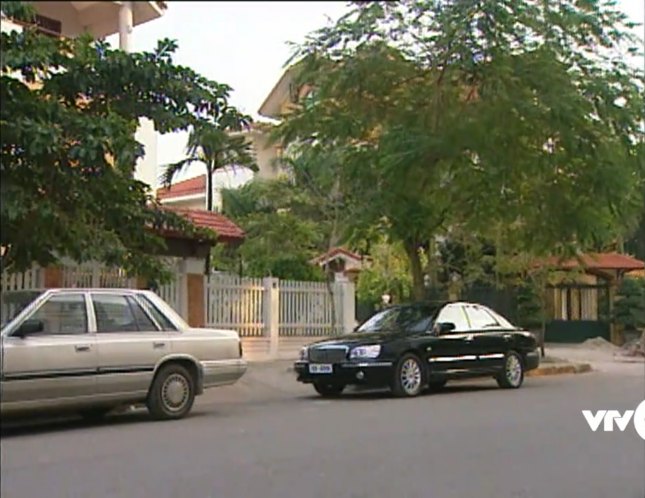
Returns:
<point x="272" y="438"/>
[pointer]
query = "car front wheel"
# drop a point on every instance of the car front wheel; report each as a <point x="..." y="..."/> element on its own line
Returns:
<point x="328" y="390"/>
<point x="172" y="393"/>
<point x="512" y="376"/>
<point x="408" y="376"/>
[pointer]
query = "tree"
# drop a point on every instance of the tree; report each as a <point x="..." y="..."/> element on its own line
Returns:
<point x="629" y="308"/>
<point x="449" y="115"/>
<point x="70" y="108"/>
<point x="217" y="147"/>
<point x="282" y="236"/>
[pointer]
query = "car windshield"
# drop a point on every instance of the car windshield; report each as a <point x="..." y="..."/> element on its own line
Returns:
<point x="13" y="302"/>
<point x="408" y="318"/>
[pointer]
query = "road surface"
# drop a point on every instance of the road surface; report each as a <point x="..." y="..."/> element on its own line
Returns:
<point x="270" y="437"/>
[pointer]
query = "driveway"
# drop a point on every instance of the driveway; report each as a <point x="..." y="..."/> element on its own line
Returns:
<point x="272" y="438"/>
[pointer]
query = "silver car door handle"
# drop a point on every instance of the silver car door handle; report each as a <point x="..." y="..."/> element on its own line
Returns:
<point x="82" y="348"/>
<point x="158" y="345"/>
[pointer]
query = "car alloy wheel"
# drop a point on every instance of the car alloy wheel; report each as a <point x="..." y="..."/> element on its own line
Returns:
<point x="408" y="377"/>
<point x="513" y="374"/>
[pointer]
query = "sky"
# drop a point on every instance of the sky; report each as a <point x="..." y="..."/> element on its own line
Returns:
<point x="244" y="44"/>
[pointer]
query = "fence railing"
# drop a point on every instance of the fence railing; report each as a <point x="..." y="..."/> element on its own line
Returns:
<point x="235" y="303"/>
<point x="265" y="307"/>
<point x="309" y="309"/>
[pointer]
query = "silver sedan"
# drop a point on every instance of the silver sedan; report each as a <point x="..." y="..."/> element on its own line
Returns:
<point x="92" y="350"/>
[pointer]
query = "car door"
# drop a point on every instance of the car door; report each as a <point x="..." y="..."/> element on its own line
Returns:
<point x="452" y="351"/>
<point x="490" y="337"/>
<point x="56" y="362"/>
<point x="129" y="342"/>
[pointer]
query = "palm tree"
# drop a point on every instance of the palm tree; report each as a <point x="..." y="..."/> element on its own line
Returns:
<point x="217" y="148"/>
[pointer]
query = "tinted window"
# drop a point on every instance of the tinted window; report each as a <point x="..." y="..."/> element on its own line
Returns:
<point x="157" y="315"/>
<point x="454" y="313"/>
<point x="63" y="314"/>
<point x="480" y="318"/>
<point x="117" y="313"/>
<point x="409" y="318"/>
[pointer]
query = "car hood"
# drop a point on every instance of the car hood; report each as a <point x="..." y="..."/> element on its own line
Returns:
<point x="360" y="338"/>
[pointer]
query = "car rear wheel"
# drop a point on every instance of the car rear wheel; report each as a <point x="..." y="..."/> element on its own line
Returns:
<point x="328" y="390"/>
<point x="512" y="376"/>
<point x="408" y="376"/>
<point x="172" y="393"/>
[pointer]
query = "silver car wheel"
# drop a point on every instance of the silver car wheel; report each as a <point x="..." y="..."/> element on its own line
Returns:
<point x="513" y="370"/>
<point x="175" y="392"/>
<point x="410" y="376"/>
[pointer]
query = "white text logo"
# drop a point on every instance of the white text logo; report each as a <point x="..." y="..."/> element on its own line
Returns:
<point x="613" y="418"/>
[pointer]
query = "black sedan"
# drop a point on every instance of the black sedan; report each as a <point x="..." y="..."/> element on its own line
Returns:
<point x="411" y="347"/>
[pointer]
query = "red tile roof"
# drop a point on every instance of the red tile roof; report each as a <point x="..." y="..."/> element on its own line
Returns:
<point x="599" y="261"/>
<point x="191" y="186"/>
<point x="225" y="229"/>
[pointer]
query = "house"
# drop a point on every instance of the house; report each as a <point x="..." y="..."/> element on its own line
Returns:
<point x="102" y="19"/>
<point x="580" y="303"/>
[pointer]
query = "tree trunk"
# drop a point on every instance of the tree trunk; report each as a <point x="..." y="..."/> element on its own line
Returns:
<point x="418" y="287"/>
<point x="209" y="207"/>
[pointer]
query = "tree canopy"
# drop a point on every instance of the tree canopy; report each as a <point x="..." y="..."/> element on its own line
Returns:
<point x="70" y="108"/>
<point x="518" y="122"/>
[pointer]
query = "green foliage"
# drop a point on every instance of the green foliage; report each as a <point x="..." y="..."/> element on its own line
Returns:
<point x="629" y="308"/>
<point x="281" y="236"/>
<point x="387" y="272"/>
<point x="69" y="152"/>
<point x="448" y="115"/>
<point x="216" y="146"/>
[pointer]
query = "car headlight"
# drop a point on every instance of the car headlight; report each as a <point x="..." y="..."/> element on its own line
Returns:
<point x="304" y="354"/>
<point x="365" y="352"/>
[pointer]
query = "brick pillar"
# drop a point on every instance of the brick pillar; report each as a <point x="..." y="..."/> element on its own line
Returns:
<point x="53" y="277"/>
<point x="196" y="304"/>
<point x="142" y="283"/>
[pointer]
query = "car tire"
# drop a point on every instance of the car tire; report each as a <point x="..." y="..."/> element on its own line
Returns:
<point x="512" y="375"/>
<point x="172" y="393"/>
<point x="329" y="390"/>
<point x="409" y="377"/>
<point x="435" y="385"/>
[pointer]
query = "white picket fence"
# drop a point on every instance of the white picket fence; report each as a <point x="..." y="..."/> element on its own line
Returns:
<point x="265" y="307"/>
<point x="30" y="280"/>
<point x="97" y="276"/>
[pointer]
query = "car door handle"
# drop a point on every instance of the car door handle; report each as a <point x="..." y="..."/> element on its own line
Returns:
<point x="158" y="345"/>
<point x="82" y="348"/>
<point x="507" y="337"/>
<point x="469" y="337"/>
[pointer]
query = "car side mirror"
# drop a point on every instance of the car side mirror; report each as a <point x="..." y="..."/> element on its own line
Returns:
<point x="29" y="327"/>
<point x="443" y="328"/>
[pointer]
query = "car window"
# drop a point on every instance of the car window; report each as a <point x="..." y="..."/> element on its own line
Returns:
<point x="480" y="318"/>
<point x="454" y="313"/>
<point x="62" y="314"/>
<point x="405" y="318"/>
<point x="119" y="313"/>
<point x="161" y="319"/>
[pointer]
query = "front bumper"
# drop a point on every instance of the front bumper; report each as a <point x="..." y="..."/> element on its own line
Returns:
<point x="369" y="373"/>
<point x="532" y="360"/>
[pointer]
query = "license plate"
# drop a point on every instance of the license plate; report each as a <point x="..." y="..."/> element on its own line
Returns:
<point x="320" y="368"/>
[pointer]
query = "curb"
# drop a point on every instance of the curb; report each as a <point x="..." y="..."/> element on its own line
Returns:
<point x="574" y="368"/>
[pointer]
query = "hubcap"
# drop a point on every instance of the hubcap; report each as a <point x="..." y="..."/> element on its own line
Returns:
<point x="410" y="376"/>
<point x="175" y="392"/>
<point x="513" y="370"/>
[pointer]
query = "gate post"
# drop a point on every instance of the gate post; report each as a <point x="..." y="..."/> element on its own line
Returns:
<point x="271" y="314"/>
<point x="347" y="306"/>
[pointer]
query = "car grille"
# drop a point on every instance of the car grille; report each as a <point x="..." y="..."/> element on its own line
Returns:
<point x="328" y="354"/>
